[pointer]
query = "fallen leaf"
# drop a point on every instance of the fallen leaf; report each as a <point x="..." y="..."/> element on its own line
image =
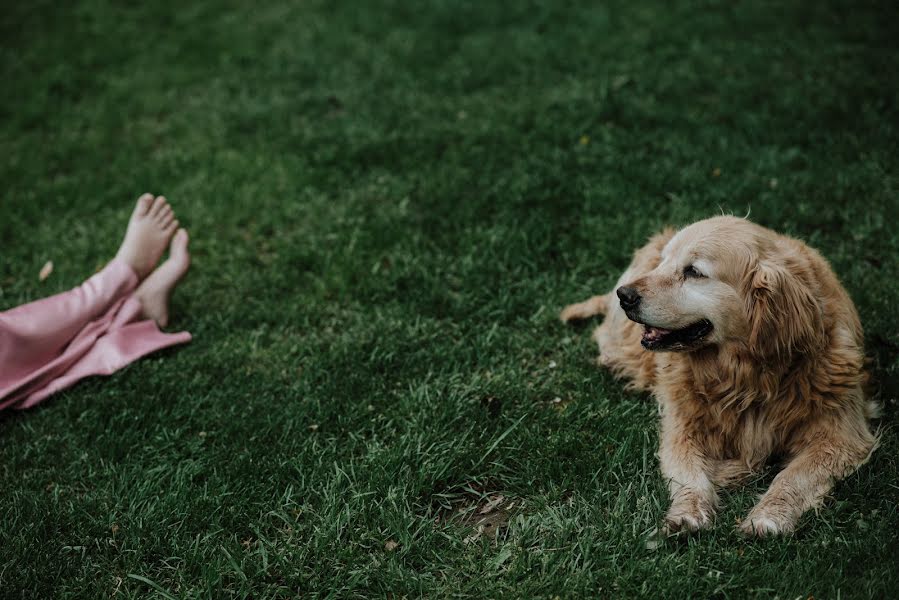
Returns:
<point x="654" y="539"/>
<point x="504" y="554"/>
<point x="390" y="545"/>
<point x="492" y="504"/>
<point x="475" y="535"/>
<point x="46" y="270"/>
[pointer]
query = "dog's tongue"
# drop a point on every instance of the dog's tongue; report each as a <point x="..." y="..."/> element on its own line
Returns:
<point x="654" y="333"/>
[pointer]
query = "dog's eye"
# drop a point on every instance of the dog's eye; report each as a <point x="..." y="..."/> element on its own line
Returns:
<point x="691" y="271"/>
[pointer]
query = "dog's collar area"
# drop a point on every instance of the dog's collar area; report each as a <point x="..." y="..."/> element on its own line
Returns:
<point x="657" y="338"/>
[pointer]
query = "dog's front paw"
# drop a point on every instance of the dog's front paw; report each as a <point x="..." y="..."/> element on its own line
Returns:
<point x="690" y="511"/>
<point x="762" y="522"/>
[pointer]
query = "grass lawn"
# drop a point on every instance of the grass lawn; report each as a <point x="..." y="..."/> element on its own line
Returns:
<point x="389" y="202"/>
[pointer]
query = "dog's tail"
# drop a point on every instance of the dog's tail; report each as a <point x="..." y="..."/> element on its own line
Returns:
<point x="597" y="305"/>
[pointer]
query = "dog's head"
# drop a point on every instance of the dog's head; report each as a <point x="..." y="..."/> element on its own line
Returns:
<point x="725" y="280"/>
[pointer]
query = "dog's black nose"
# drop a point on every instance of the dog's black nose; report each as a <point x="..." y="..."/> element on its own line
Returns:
<point x="629" y="297"/>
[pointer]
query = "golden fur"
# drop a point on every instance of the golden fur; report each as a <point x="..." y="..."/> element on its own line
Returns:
<point x="780" y="374"/>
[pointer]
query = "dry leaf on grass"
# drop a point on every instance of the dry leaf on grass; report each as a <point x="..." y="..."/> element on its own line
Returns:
<point x="655" y="539"/>
<point x="45" y="270"/>
<point x="471" y="539"/>
<point x="390" y="545"/>
<point x="491" y="504"/>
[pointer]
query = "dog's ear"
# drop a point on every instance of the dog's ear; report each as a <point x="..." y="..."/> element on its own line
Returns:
<point x="785" y="317"/>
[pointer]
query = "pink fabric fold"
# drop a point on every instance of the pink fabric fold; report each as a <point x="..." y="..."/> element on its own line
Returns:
<point x="94" y="329"/>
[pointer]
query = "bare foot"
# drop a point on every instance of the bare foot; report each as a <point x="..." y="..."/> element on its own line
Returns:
<point x="156" y="289"/>
<point x="149" y="231"/>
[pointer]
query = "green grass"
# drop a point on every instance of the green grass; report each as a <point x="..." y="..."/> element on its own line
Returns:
<point x="389" y="202"/>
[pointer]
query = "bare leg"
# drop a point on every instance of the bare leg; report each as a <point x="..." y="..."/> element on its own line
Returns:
<point x="41" y="340"/>
<point x="32" y="333"/>
<point x="155" y="291"/>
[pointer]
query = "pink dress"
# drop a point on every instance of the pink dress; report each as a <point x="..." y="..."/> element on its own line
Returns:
<point x="94" y="329"/>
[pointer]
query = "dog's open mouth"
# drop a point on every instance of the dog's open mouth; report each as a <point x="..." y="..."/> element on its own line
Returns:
<point x="657" y="338"/>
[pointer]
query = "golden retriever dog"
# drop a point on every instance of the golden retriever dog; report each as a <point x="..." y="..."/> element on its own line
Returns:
<point x="753" y="350"/>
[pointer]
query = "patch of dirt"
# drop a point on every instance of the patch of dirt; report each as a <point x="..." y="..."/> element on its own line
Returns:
<point x="481" y="514"/>
<point x="487" y="518"/>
